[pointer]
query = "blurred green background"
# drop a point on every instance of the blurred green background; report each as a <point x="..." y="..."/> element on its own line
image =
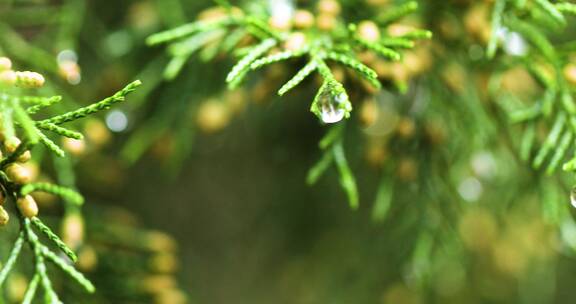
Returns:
<point x="469" y="222"/>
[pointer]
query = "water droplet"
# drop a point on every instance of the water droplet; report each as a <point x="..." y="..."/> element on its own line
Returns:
<point x="331" y="110"/>
<point x="573" y="197"/>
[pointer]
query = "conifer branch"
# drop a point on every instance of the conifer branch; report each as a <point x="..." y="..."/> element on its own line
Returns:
<point x="497" y="13"/>
<point x="16" y="179"/>
<point x="383" y="201"/>
<point x="48" y="126"/>
<point x="379" y="49"/>
<point x="270" y="45"/>
<point x="417" y="34"/>
<point x="41" y="103"/>
<point x="51" y="145"/>
<point x="188" y="29"/>
<point x="275" y="58"/>
<point x="14" y="253"/>
<point x="71" y="271"/>
<point x="31" y="290"/>
<point x="397" y="42"/>
<point x="347" y="180"/>
<point x="316" y="171"/>
<point x="240" y="70"/>
<point x="398" y="12"/>
<point x="336" y="47"/>
<point x="368" y="73"/>
<point x="308" y="69"/>
<point x="54" y="238"/>
<point x="551" y="10"/>
<point x="66" y="193"/>
<point x="93" y="108"/>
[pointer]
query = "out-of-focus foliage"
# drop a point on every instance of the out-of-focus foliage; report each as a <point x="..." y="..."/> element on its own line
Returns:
<point x="30" y="127"/>
<point x="456" y="156"/>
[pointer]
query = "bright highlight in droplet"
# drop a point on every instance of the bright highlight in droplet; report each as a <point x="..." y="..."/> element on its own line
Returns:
<point x="331" y="110"/>
<point x="116" y="121"/>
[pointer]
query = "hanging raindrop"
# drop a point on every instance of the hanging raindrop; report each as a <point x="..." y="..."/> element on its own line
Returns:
<point x="331" y="109"/>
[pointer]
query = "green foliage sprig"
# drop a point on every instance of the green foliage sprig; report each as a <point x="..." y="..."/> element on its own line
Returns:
<point x="332" y="146"/>
<point x="261" y="42"/>
<point x="272" y="45"/>
<point x="21" y="132"/>
<point x="536" y="22"/>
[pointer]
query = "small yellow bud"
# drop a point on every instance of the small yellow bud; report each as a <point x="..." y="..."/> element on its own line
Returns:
<point x="87" y="258"/>
<point x="407" y="170"/>
<point x="280" y="22"/>
<point x="163" y="263"/>
<point x="170" y="296"/>
<point x="157" y="282"/>
<point x="96" y="132"/>
<point x="159" y="241"/>
<point x="74" y="146"/>
<point x="330" y="7"/>
<point x="376" y="155"/>
<point x="19" y="174"/>
<point x="4" y="217"/>
<point x="368" y="30"/>
<point x="16" y="287"/>
<point x="5" y="64"/>
<point x="27" y="206"/>
<point x="369" y="112"/>
<point x="8" y="78"/>
<point x="211" y="14"/>
<point x="303" y="19"/>
<point x="215" y="13"/>
<point x="326" y="22"/>
<point x="406" y="128"/>
<point x="570" y="73"/>
<point x="11" y="144"/>
<point x="33" y="168"/>
<point x="213" y="116"/>
<point x="28" y="79"/>
<point x="477" y="22"/>
<point x="24" y="157"/>
<point x="70" y="70"/>
<point x="295" y="41"/>
<point x="73" y="230"/>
